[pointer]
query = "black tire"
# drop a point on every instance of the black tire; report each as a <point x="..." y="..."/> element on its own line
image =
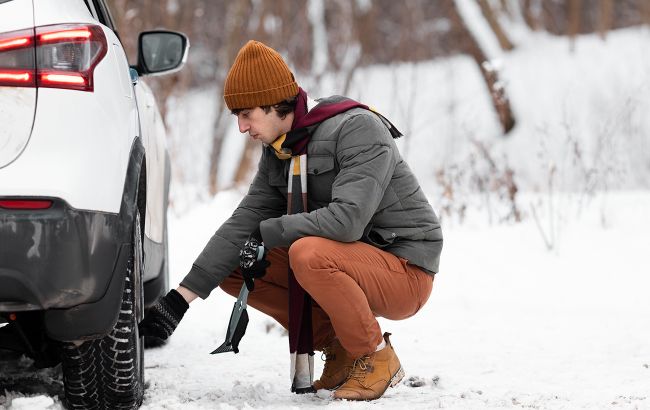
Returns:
<point x="108" y="373"/>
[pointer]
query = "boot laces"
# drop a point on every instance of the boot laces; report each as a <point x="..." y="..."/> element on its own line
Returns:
<point x="359" y="368"/>
<point x="328" y="357"/>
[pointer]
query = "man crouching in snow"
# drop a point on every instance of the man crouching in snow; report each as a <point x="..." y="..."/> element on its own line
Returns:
<point x="342" y="217"/>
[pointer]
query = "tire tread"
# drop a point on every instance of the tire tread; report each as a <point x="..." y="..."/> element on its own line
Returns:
<point x="104" y="374"/>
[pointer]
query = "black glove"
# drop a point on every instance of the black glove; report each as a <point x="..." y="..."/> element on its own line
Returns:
<point x="252" y="262"/>
<point x="161" y="319"/>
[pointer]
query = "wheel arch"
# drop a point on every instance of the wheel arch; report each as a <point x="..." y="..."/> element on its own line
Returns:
<point x="93" y="320"/>
<point x="141" y="195"/>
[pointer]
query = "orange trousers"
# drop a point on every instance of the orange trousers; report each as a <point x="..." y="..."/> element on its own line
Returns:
<point x="351" y="284"/>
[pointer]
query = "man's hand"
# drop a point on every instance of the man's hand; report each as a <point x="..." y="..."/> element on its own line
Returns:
<point x="252" y="262"/>
<point x="161" y="319"/>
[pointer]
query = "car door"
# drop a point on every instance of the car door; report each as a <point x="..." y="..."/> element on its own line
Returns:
<point x="153" y="135"/>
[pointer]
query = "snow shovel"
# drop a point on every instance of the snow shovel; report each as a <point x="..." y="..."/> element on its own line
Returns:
<point x="237" y="324"/>
<point x="238" y="318"/>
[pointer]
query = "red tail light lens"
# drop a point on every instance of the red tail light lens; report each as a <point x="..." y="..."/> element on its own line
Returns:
<point x="17" y="59"/>
<point x="60" y="56"/>
<point x="67" y="55"/>
<point x="24" y="204"/>
<point x="6" y="45"/>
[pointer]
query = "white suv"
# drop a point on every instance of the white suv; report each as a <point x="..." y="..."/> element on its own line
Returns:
<point x="84" y="178"/>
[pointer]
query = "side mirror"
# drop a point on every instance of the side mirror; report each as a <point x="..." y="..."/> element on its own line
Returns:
<point x="161" y="52"/>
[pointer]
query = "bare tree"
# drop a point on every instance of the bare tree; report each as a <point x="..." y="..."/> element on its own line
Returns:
<point x="358" y="33"/>
<point x="218" y="132"/>
<point x="574" y="19"/>
<point x="489" y="15"/>
<point x="490" y="73"/>
<point x="505" y="7"/>
<point x="247" y="22"/>
<point x="530" y="9"/>
<point x="645" y="12"/>
<point x="606" y="17"/>
<point x="320" y="45"/>
<point x="346" y="52"/>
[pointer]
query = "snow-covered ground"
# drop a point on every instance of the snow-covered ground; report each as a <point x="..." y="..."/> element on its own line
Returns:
<point x="508" y="325"/>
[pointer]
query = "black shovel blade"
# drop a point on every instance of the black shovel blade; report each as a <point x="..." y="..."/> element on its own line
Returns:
<point x="240" y="330"/>
<point x="231" y="344"/>
<point x="224" y="348"/>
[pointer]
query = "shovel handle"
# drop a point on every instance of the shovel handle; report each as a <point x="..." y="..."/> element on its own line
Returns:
<point x="242" y="299"/>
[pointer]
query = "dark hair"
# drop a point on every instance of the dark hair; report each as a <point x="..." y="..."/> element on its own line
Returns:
<point x="282" y="109"/>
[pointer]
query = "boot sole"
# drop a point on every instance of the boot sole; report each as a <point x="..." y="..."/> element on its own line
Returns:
<point x="330" y="388"/>
<point x="397" y="377"/>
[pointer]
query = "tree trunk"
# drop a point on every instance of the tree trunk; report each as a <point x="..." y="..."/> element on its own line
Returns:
<point x="573" y="26"/>
<point x="605" y="17"/>
<point x="490" y="75"/>
<point x="218" y="133"/>
<point x="320" y="53"/>
<point x="645" y="11"/>
<point x="505" y="7"/>
<point x="504" y="41"/>
<point x="234" y="38"/>
<point x="530" y="17"/>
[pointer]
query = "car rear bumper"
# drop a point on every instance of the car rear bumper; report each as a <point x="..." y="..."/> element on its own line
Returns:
<point x="58" y="257"/>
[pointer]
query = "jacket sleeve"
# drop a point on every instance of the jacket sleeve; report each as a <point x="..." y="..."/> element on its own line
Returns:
<point x="367" y="158"/>
<point x="221" y="254"/>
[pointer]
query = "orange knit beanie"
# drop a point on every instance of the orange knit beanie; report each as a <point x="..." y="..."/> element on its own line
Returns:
<point x="258" y="77"/>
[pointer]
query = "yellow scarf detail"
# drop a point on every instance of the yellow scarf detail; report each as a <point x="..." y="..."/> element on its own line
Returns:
<point x="281" y="153"/>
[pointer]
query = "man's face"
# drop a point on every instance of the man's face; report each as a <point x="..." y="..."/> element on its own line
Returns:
<point x="262" y="126"/>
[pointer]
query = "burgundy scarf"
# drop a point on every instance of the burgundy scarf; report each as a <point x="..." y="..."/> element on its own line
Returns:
<point x="293" y="145"/>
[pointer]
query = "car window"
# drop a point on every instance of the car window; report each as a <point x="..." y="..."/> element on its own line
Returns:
<point x="103" y="15"/>
<point x="91" y="8"/>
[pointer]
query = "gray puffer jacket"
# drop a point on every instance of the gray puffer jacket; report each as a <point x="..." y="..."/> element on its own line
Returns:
<point x="360" y="189"/>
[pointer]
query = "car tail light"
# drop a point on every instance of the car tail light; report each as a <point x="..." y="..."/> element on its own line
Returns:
<point x="60" y="56"/>
<point x="17" y="59"/>
<point x="27" y="204"/>
<point x="66" y="55"/>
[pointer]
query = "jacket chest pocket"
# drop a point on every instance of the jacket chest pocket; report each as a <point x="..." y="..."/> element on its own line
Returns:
<point x="278" y="175"/>
<point x="320" y="177"/>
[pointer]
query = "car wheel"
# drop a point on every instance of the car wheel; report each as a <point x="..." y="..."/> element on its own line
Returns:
<point x="108" y="373"/>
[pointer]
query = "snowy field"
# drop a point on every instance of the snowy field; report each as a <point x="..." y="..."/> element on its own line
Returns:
<point x="508" y="325"/>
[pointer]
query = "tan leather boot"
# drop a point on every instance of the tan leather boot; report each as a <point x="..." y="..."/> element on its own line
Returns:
<point x="338" y="365"/>
<point x="372" y="374"/>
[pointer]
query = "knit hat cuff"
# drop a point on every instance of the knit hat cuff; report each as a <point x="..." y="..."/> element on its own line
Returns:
<point x="237" y="101"/>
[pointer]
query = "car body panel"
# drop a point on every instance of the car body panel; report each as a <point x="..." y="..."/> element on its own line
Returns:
<point x="67" y="262"/>
<point x="154" y="139"/>
<point x="61" y="11"/>
<point x="16" y="15"/>
<point x="59" y="257"/>
<point x="17" y="105"/>
<point x="92" y="176"/>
